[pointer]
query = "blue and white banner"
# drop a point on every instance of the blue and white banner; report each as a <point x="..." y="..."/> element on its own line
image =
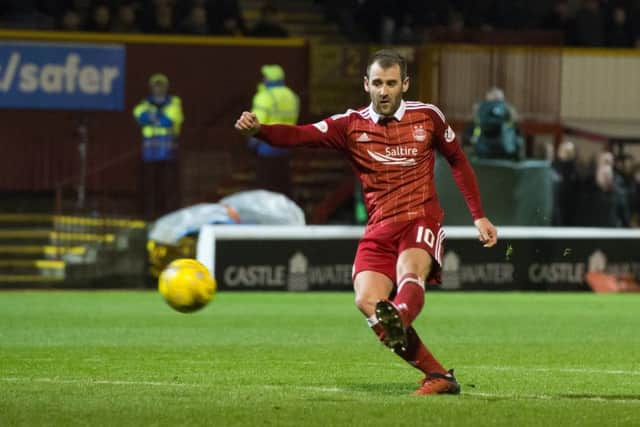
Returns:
<point x="62" y="76"/>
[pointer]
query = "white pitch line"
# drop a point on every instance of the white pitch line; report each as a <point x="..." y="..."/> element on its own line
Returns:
<point x="567" y="370"/>
<point x="297" y="362"/>
<point x="321" y="389"/>
<point x="304" y="387"/>
<point x="550" y="397"/>
<point x="151" y="383"/>
<point x="97" y="382"/>
<point x="310" y="388"/>
<point x="487" y="367"/>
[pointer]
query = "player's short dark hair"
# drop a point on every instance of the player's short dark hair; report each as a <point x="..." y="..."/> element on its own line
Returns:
<point x="387" y="58"/>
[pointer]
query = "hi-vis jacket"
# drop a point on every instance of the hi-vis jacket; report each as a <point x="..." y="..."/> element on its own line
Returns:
<point x="274" y="103"/>
<point x="161" y="125"/>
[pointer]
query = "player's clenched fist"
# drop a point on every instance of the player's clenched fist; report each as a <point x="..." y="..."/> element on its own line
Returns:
<point x="248" y="124"/>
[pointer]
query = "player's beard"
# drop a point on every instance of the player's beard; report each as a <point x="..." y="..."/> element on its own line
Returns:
<point x="388" y="108"/>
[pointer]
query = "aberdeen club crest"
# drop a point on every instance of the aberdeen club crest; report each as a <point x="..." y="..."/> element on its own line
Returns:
<point x="419" y="133"/>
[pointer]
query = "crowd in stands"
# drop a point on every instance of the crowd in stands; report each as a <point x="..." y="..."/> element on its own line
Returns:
<point x="603" y="193"/>
<point x="609" y="191"/>
<point x="613" y="23"/>
<point x="195" y="17"/>
<point x="606" y="194"/>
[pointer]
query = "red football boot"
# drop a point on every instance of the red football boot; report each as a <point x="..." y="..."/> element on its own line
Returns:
<point x="437" y="383"/>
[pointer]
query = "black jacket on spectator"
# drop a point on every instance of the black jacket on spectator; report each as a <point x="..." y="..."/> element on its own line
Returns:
<point x="567" y="188"/>
<point x="589" y="28"/>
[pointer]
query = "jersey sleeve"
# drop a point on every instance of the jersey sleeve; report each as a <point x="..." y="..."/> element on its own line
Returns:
<point x="328" y="133"/>
<point x="446" y="142"/>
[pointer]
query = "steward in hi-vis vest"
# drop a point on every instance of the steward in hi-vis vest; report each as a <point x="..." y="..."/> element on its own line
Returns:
<point x="160" y="118"/>
<point x="274" y="103"/>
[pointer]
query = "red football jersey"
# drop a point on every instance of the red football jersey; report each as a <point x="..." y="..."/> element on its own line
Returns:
<point x="393" y="157"/>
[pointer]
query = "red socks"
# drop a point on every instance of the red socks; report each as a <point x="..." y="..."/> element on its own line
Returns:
<point x="416" y="354"/>
<point x="379" y="331"/>
<point x="410" y="297"/>
<point x="419" y="356"/>
<point x="409" y="300"/>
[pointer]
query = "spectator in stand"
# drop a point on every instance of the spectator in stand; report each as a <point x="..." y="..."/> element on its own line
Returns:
<point x="393" y="15"/>
<point x="163" y="22"/>
<point x="71" y="21"/>
<point x="274" y="103"/>
<point x="196" y="21"/>
<point x="269" y="23"/>
<point x="428" y="14"/>
<point x="619" y="30"/>
<point x="127" y="20"/>
<point x="567" y="183"/>
<point x="635" y="21"/>
<point x="342" y="13"/>
<point x="494" y="132"/>
<point x="48" y="11"/>
<point x="81" y="7"/>
<point x="589" y="28"/>
<point x="635" y="195"/>
<point x="161" y="18"/>
<point x="559" y="19"/>
<point x="160" y="118"/>
<point x="606" y="202"/>
<point x="479" y="14"/>
<point x="406" y="33"/>
<point x="512" y="14"/>
<point x="100" y="19"/>
<point x="225" y="18"/>
<point x="369" y="19"/>
<point x="232" y="26"/>
<point x="24" y="14"/>
<point x="456" y="23"/>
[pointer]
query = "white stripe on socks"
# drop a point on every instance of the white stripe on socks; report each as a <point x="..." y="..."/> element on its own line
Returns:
<point x="372" y="321"/>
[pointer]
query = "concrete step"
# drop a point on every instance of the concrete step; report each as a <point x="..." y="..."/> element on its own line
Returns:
<point x="58" y="251"/>
<point x="40" y="251"/>
<point x="40" y="264"/>
<point x="47" y="269"/>
<point x="45" y="237"/>
<point x="78" y="223"/>
<point x="88" y="222"/>
<point x="25" y="220"/>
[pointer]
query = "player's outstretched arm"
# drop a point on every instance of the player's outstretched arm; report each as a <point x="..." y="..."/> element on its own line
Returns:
<point x="487" y="232"/>
<point x="248" y="124"/>
<point x="327" y="133"/>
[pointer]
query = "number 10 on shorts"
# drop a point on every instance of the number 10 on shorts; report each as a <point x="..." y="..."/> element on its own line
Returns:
<point x="425" y="235"/>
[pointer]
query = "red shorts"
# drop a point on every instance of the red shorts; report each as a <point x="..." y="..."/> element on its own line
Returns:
<point x="381" y="245"/>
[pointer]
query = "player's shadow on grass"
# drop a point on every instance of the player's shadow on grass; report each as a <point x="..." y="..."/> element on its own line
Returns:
<point x="382" y="388"/>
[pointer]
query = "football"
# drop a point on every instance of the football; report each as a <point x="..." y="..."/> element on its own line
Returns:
<point x="186" y="285"/>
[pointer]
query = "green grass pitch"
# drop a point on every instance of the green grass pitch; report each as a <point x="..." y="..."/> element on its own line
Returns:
<point x="125" y="358"/>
